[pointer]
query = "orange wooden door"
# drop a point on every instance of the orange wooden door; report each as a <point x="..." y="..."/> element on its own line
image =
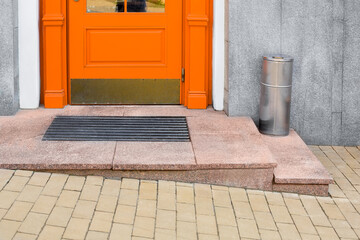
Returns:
<point x="117" y="39"/>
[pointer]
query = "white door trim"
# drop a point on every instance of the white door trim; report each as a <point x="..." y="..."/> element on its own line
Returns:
<point x="29" y="54"/>
<point x="218" y="55"/>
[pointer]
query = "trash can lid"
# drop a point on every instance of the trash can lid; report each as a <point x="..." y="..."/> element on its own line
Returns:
<point x="278" y="58"/>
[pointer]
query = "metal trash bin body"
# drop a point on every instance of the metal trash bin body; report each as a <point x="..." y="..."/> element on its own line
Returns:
<point x="275" y="96"/>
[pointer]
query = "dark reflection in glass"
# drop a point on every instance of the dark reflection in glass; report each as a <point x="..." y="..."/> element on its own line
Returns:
<point x="109" y="6"/>
<point x="146" y="6"/>
<point x="136" y="6"/>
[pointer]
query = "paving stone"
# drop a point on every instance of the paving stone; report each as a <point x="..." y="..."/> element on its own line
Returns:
<point x="220" y="188"/>
<point x="68" y="199"/>
<point x="51" y="232"/>
<point x="185" y="194"/>
<point x="74" y="183"/>
<point x="127" y="183"/>
<point x="144" y="227"/>
<point x="16" y="184"/>
<point x="206" y="224"/>
<point x="295" y="206"/>
<point x="167" y="187"/>
<point x="101" y="222"/>
<point x="33" y="223"/>
<point x="269" y="235"/>
<point x="353" y="196"/>
<point x="332" y="211"/>
<point x="309" y="237"/>
<point x="221" y="198"/>
<point x="55" y="185"/>
<point x="23" y="173"/>
<point x="275" y="198"/>
<point x="185" y="212"/>
<point x="353" y="219"/>
<point x="125" y="214"/>
<point x="148" y="190"/>
<point x="184" y="184"/>
<point x="346" y="233"/>
<point x="225" y="216"/>
<point x="7" y="199"/>
<point x="243" y="210"/>
<point x="94" y="180"/>
<point x="107" y="203"/>
<point x="44" y="204"/>
<point x="122" y="230"/>
<point x="255" y="192"/>
<point x="165" y="234"/>
<point x="344" y="205"/>
<point x="8" y="229"/>
<point x="59" y="216"/>
<point x="111" y="187"/>
<point x="18" y="211"/>
<point x="327" y="233"/>
<point x="128" y="197"/>
<point x="238" y="195"/>
<point x="2" y="213"/>
<point x="258" y="203"/>
<point x="166" y="201"/>
<point x="248" y="229"/>
<point x="39" y="179"/>
<point x="5" y="176"/>
<point x="203" y="190"/>
<point x="207" y="237"/>
<point x="146" y="208"/>
<point x="24" y="236"/>
<point x="315" y="212"/>
<point x="76" y="229"/>
<point x="264" y="220"/>
<point x="84" y="209"/>
<point x="335" y="191"/>
<point x="280" y="214"/>
<point x="166" y="219"/>
<point x="96" y="236"/>
<point x="288" y="231"/>
<point x="186" y="230"/>
<point x="290" y="195"/>
<point x="304" y="224"/>
<point x="204" y="206"/>
<point x="90" y="192"/>
<point x="30" y="193"/>
<point x="228" y="233"/>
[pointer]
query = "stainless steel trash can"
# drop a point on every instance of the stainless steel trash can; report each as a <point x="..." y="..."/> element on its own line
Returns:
<point x="275" y="96"/>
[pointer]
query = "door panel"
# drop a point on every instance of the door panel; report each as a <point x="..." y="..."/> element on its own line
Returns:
<point x="109" y="40"/>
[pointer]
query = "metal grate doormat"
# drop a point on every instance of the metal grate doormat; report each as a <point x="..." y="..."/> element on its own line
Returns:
<point x="145" y="129"/>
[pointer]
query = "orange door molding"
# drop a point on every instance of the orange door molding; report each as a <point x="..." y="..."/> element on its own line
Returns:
<point x="125" y="45"/>
<point x="53" y="53"/>
<point x="197" y="52"/>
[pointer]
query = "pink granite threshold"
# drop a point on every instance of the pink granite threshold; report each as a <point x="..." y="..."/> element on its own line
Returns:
<point x="223" y="150"/>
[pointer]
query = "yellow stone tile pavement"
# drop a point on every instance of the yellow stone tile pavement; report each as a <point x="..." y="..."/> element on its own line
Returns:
<point x="45" y="206"/>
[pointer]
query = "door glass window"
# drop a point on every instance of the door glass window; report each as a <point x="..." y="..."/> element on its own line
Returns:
<point x="104" y="6"/>
<point x="109" y="6"/>
<point x="146" y="6"/>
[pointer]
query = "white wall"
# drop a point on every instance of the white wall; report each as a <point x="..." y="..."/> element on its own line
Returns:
<point x="29" y="54"/>
<point x="218" y="55"/>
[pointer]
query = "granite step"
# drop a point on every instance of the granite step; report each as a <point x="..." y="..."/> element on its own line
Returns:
<point x="298" y="169"/>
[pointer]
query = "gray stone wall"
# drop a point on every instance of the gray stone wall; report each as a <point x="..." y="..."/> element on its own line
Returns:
<point x="324" y="38"/>
<point x="9" y="72"/>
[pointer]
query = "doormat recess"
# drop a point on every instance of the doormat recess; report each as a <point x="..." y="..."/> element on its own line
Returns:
<point x="135" y="129"/>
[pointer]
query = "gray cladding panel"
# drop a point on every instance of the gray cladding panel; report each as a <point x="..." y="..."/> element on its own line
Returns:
<point x="254" y="30"/>
<point x="9" y="89"/>
<point x="324" y="38"/>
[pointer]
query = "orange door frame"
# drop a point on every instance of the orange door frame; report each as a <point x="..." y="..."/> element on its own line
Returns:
<point x="197" y="53"/>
